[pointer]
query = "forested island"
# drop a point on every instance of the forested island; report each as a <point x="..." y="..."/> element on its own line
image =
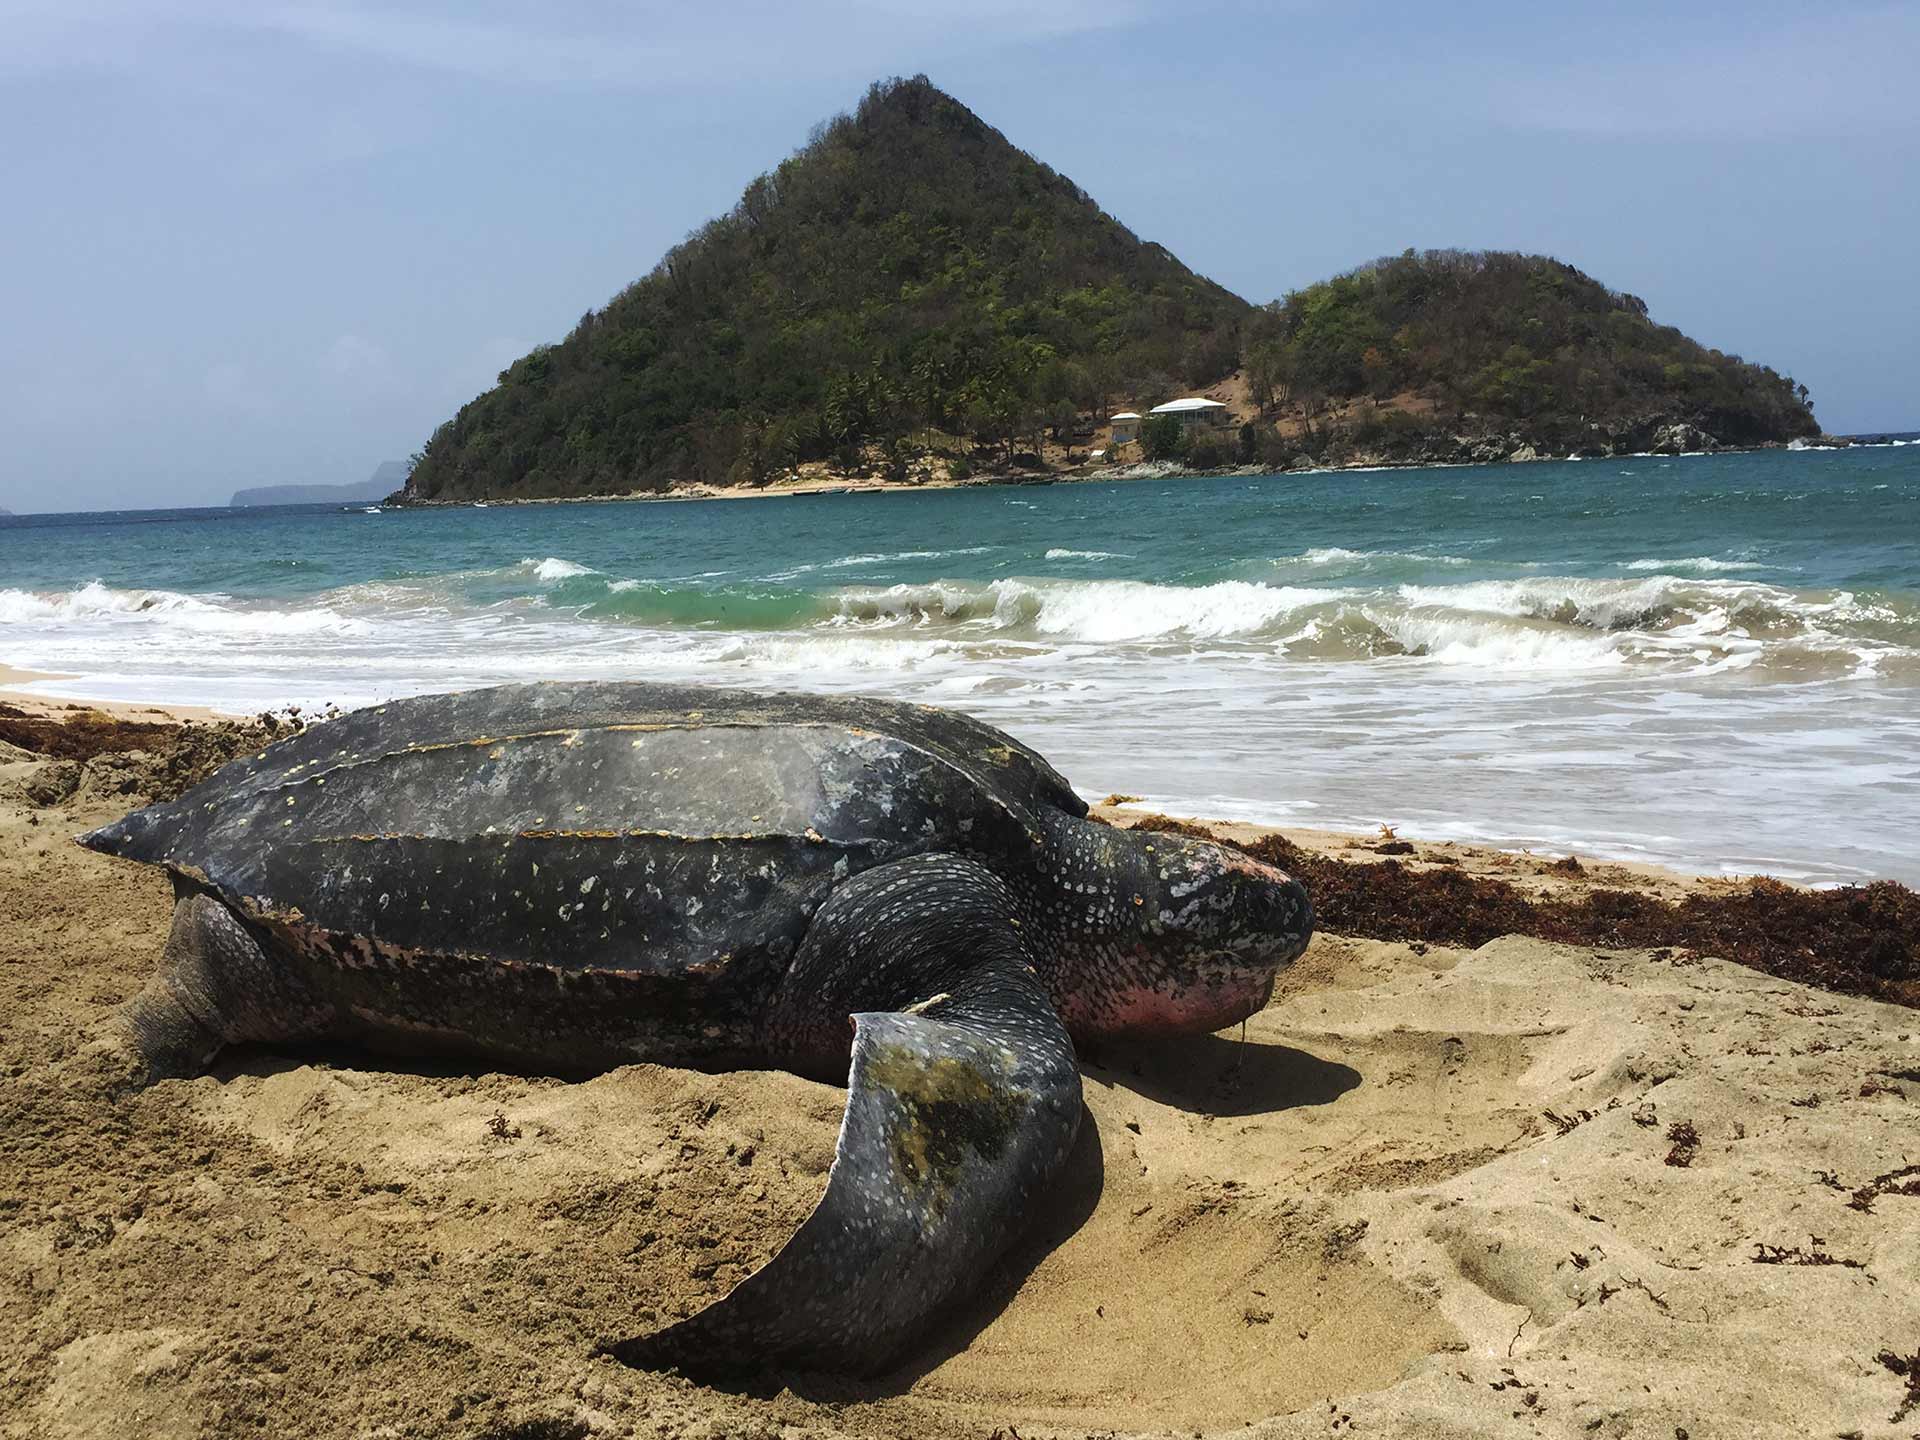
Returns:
<point x="912" y="298"/>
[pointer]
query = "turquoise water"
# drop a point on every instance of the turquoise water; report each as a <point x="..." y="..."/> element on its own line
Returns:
<point x="1711" y="661"/>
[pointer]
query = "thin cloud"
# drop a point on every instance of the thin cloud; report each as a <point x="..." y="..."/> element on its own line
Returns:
<point x="355" y="357"/>
<point x="1838" y="75"/>
<point x="234" y="388"/>
<point x="581" y="45"/>
<point x="542" y="52"/>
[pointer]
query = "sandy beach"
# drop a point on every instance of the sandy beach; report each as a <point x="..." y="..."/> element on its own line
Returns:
<point x="43" y="703"/>
<point x="1514" y="1188"/>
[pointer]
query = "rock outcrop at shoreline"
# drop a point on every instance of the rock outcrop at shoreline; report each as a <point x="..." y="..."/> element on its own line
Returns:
<point x="1581" y="442"/>
<point x="1414" y="446"/>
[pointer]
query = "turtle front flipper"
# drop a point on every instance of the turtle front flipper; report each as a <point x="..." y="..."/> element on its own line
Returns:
<point x="963" y="1100"/>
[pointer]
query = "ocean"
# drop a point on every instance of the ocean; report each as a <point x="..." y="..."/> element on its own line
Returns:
<point x="1706" y="661"/>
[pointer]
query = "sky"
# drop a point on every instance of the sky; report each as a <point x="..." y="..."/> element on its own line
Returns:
<point x="257" y="242"/>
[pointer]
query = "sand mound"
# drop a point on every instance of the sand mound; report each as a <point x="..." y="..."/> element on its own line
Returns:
<point x="1522" y="1189"/>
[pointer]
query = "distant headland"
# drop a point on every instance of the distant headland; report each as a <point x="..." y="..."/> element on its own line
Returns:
<point x="910" y="299"/>
<point x="389" y="476"/>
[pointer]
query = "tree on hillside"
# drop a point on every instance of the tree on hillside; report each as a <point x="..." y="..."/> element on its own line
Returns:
<point x="1163" y="437"/>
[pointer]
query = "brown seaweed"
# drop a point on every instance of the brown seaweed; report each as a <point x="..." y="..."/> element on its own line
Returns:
<point x="1857" y="940"/>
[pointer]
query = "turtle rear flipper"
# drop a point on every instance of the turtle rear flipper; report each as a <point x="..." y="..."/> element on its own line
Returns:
<point x="217" y="985"/>
<point x="960" y="1106"/>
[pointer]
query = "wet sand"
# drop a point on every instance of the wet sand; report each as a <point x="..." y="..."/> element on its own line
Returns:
<point x="1518" y="1189"/>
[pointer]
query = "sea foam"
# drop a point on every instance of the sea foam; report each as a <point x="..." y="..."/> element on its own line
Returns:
<point x="1706" y="564"/>
<point x="1091" y="612"/>
<point x="554" y="568"/>
<point x="98" y="605"/>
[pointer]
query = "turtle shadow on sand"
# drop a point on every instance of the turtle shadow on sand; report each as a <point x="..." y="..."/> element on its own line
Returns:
<point x="1222" y="1075"/>
<point x="1206" y="1075"/>
<point x="1213" y="1074"/>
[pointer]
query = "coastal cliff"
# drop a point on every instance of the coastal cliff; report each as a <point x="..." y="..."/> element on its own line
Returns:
<point x="911" y="299"/>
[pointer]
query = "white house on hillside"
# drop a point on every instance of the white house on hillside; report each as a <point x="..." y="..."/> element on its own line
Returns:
<point x="1197" y="415"/>
<point x="1126" y="428"/>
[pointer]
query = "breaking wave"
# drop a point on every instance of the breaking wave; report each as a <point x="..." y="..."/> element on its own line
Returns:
<point x="1093" y="612"/>
<point x="554" y="568"/>
<point x="1537" y="624"/>
<point x="1548" y="623"/>
<point x="1337" y="555"/>
<point x="1705" y="564"/>
<point x="97" y="605"/>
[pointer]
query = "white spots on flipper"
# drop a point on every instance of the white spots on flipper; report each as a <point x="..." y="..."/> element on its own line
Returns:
<point x="586" y="885"/>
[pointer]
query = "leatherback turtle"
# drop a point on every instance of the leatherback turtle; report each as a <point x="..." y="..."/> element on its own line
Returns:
<point x="571" y="877"/>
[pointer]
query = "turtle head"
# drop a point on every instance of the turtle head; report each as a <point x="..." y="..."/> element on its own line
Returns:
<point x="1165" y="934"/>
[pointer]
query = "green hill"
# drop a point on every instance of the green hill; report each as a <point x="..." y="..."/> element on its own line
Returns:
<point x="911" y="285"/>
<point x="1488" y="340"/>
<point x="906" y="277"/>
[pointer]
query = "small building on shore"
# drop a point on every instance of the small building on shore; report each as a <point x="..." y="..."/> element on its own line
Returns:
<point x="1126" y="429"/>
<point x="1199" y="417"/>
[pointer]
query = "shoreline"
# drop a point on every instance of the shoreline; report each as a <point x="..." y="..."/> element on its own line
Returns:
<point x="1543" y="870"/>
<point x="48" y="704"/>
<point x="1015" y="479"/>
<point x="1540" y="864"/>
